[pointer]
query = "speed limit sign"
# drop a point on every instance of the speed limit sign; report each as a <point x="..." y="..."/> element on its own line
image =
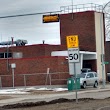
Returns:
<point x="73" y="55"/>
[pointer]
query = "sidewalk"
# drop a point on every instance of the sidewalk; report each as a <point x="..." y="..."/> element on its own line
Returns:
<point x="98" y="93"/>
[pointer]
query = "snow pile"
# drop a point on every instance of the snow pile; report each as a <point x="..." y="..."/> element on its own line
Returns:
<point x="60" y="89"/>
<point x="26" y="90"/>
<point x="44" y="88"/>
<point x="54" y="89"/>
<point x="13" y="91"/>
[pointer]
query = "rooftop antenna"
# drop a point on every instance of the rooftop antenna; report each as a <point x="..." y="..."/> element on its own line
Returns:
<point x="7" y="57"/>
<point x="72" y="9"/>
<point x="12" y="39"/>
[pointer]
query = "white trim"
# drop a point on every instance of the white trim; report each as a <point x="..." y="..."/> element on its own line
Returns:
<point x="65" y="53"/>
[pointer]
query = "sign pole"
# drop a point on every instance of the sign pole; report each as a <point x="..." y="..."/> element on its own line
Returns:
<point x="76" y="83"/>
<point x="73" y="56"/>
<point x="13" y="66"/>
<point x="13" y="74"/>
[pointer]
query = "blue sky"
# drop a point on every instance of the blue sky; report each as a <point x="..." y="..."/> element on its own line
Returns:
<point x="31" y="28"/>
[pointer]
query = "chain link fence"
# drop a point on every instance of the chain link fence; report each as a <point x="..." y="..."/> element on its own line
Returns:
<point x="35" y="79"/>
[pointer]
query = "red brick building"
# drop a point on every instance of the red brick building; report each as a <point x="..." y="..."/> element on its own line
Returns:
<point x="33" y="64"/>
<point x="32" y="61"/>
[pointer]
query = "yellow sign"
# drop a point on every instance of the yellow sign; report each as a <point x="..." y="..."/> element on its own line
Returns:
<point x="50" y="18"/>
<point x="72" y="41"/>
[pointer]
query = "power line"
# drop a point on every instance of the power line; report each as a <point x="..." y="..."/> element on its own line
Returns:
<point x="30" y="14"/>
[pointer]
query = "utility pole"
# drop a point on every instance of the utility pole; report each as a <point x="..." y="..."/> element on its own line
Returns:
<point x="102" y="45"/>
<point x="72" y="9"/>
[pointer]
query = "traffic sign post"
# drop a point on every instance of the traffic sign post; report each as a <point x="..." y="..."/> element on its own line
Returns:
<point x="73" y="54"/>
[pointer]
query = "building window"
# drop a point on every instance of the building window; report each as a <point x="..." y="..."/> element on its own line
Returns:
<point x="1" y="55"/>
<point x="5" y="55"/>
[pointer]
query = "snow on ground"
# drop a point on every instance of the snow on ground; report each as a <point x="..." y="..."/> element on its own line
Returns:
<point x="12" y="91"/>
<point x="60" y="89"/>
<point x="54" y="89"/>
<point x="26" y="90"/>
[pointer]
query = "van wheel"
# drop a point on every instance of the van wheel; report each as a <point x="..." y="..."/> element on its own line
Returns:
<point x="95" y="84"/>
<point x="84" y="85"/>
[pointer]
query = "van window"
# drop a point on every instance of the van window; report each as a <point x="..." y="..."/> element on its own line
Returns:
<point x="85" y="70"/>
<point x="90" y="75"/>
<point x="95" y="74"/>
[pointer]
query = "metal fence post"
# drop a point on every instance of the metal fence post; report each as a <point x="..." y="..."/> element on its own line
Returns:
<point x="0" y="82"/>
<point x="25" y="80"/>
<point x="13" y="77"/>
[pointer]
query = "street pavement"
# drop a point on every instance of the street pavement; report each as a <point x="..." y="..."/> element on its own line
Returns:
<point x="90" y="92"/>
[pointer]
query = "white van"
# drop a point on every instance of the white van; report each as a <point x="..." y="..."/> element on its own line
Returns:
<point x="89" y="79"/>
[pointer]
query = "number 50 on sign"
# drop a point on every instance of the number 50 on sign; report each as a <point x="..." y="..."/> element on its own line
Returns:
<point x="73" y="55"/>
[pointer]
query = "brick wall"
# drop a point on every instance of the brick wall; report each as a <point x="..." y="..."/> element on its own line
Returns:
<point x="36" y="69"/>
<point x="35" y="65"/>
<point x="37" y="50"/>
<point x="83" y="25"/>
<point x="107" y="56"/>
